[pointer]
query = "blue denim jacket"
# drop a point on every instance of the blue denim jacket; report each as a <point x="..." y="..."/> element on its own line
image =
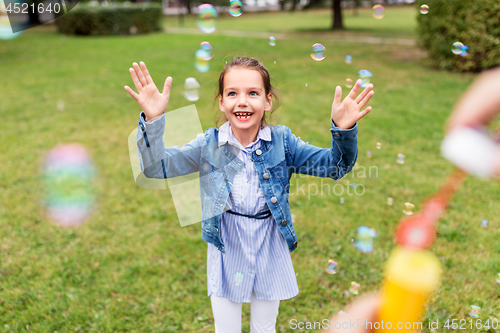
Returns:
<point x="217" y="164"/>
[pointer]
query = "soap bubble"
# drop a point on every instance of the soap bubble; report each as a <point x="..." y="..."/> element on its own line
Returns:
<point x="354" y="288"/>
<point x="498" y="278"/>
<point x="369" y="154"/>
<point x="332" y="267"/>
<point x="272" y="41"/>
<point x="12" y="21"/>
<point x="401" y="159"/>
<point x="208" y="48"/>
<point x="390" y="201"/>
<point x="201" y="64"/>
<point x="464" y="52"/>
<point x="191" y="89"/>
<point x="484" y="223"/>
<point x="424" y="9"/>
<point x="348" y="59"/>
<point x="238" y="278"/>
<point x="365" y="76"/>
<point x="349" y="83"/>
<point x="379" y="145"/>
<point x="378" y="11"/>
<point x="318" y="52"/>
<point x="235" y="8"/>
<point x="342" y="200"/>
<point x="408" y="208"/>
<point x="474" y="312"/>
<point x="68" y="173"/>
<point x="364" y="239"/>
<point x="457" y="48"/>
<point x="206" y="18"/>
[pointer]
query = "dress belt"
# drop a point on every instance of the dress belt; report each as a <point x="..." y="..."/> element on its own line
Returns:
<point x="258" y="216"/>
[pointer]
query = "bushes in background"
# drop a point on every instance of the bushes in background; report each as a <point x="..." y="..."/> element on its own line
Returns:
<point x="114" y="19"/>
<point x="475" y="23"/>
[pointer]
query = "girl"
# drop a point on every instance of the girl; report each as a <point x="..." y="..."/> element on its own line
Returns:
<point x="245" y="167"/>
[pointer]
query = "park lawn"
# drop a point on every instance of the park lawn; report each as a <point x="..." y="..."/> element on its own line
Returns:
<point x="132" y="268"/>
<point x="398" y="21"/>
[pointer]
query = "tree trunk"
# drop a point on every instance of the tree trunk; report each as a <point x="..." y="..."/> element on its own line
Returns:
<point x="337" y="15"/>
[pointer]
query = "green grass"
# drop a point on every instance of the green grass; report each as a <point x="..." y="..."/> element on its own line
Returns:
<point x="132" y="268"/>
<point x="397" y="22"/>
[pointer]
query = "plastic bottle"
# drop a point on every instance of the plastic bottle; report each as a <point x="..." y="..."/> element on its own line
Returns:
<point x="411" y="275"/>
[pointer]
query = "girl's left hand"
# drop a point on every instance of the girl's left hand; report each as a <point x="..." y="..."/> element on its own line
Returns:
<point x="347" y="113"/>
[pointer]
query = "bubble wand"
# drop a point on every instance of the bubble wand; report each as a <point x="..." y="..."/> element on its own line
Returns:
<point x="411" y="273"/>
<point x="419" y="230"/>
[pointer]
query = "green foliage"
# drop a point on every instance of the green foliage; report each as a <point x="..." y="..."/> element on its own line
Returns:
<point x="115" y="19"/>
<point x="475" y="23"/>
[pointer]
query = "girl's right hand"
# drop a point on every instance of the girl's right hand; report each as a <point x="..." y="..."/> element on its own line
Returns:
<point x="152" y="102"/>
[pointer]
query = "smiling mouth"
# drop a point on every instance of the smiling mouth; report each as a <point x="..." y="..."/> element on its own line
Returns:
<point x="243" y="115"/>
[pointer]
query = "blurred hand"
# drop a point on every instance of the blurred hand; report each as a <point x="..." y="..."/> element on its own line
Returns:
<point x="357" y="314"/>
<point x="479" y="104"/>
<point x="347" y="113"/>
<point x="152" y="102"/>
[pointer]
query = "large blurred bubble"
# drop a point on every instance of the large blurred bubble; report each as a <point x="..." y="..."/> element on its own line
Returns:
<point x="202" y="62"/>
<point x="206" y="18"/>
<point x="69" y="173"/>
<point x="191" y="89"/>
<point x="365" y="76"/>
<point x="318" y="52"/>
<point x="208" y="48"/>
<point x="378" y="12"/>
<point x="364" y="240"/>
<point x="235" y="8"/>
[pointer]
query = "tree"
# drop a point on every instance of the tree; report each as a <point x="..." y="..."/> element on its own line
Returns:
<point x="337" y="15"/>
<point x="336" y="12"/>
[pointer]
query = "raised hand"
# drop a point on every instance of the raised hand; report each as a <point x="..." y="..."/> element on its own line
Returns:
<point x="480" y="104"/>
<point x="152" y="102"/>
<point x="347" y="113"/>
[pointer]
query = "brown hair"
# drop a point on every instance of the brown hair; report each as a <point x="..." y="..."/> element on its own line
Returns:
<point x="249" y="63"/>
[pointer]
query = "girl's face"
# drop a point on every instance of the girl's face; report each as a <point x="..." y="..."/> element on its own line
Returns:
<point x="244" y="99"/>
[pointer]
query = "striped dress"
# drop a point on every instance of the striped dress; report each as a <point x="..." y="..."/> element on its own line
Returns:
<point x="257" y="257"/>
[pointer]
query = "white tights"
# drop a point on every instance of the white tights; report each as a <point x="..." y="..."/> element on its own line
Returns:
<point x="227" y="315"/>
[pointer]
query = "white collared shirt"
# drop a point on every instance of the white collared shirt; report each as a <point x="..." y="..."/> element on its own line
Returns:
<point x="247" y="178"/>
